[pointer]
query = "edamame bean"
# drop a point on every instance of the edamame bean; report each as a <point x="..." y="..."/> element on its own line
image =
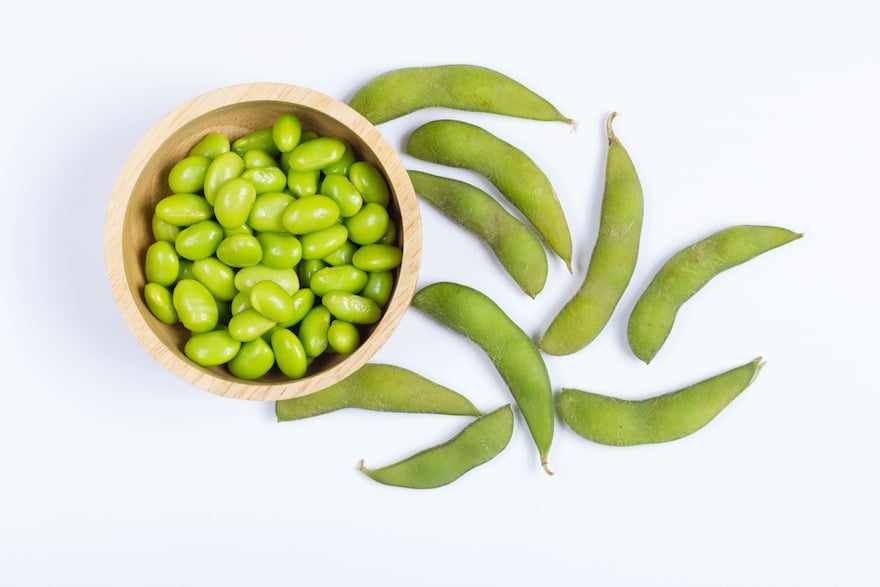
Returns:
<point x="342" y="191"/>
<point x="199" y="240"/>
<point x="186" y="271"/>
<point x="313" y="330"/>
<point x="320" y="243"/>
<point x="286" y="132"/>
<point x="266" y="179"/>
<point x="280" y="250"/>
<point x="370" y="182"/>
<point x="303" y="183"/>
<point x="379" y="286"/>
<point x="211" y="348"/>
<point x="195" y="306"/>
<point x="162" y="231"/>
<point x="248" y="277"/>
<point x="342" y="166"/>
<point x="514" y="244"/>
<point x="224" y="167"/>
<point x="272" y="301"/>
<point x="253" y="360"/>
<point x="342" y="255"/>
<point x="307" y="268"/>
<point x="478" y="443"/>
<point x="218" y="277"/>
<point x="343" y="337"/>
<point x="233" y="202"/>
<point x="309" y="215"/>
<point x="316" y="154"/>
<point x="160" y="303"/>
<point x="351" y="307"/>
<point x="240" y="303"/>
<point x="183" y="209"/>
<point x="211" y="146"/>
<point x="459" y="86"/>
<point x="377" y="257"/>
<point x="290" y="356"/>
<point x="303" y="301"/>
<point x="663" y="418"/>
<point x="258" y="159"/>
<point x="347" y="278"/>
<point x="240" y="250"/>
<point x="187" y="176"/>
<point x="511" y="171"/>
<point x="162" y="264"/>
<point x="268" y="210"/>
<point x="368" y="225"/>
<point x="613" y="259"/>
<point x="686" y="272"/>
<point x="249" y="324"/>
<point x="379" y="387"/>
<point x="474" y="315"/>
<point x="260" y="140"/>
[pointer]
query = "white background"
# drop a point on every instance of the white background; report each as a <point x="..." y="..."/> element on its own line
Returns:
<point x="114" y="472"/>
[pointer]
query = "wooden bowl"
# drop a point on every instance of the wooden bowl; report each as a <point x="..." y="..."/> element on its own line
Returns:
<point x="143" y="181"/>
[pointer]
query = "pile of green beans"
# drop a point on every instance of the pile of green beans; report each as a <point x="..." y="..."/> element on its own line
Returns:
<point x="272" y="250"/>
<point x="518" y="241"/>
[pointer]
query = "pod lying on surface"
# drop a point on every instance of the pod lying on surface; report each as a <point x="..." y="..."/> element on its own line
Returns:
<point x="378" y="387"/>
<point x="663" y="418"/>
<point x="479" y="442"/>
<point x="462" y="87"/>
<point x="475" y="316"/>
<point x="686" y="272"/>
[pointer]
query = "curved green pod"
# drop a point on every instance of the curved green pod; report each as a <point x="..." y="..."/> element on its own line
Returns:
<point x="686" y="272"/>
<point x="612" y="261"/>
<point x="382" y="388"/>
<point x="474" y="315"/>
<point x="663" y="418"/>
<point x="511" y="171"/>
<point x="478" y="443"/>
<point x="458" y="86"/>
<point x="514" y="244"/>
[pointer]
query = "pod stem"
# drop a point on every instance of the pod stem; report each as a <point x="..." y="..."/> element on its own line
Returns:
<point x="546" y="468"/>
<point x="608" y="130"/>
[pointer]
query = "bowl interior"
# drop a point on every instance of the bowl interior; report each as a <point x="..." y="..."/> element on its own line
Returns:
<point x="235" y="112"/>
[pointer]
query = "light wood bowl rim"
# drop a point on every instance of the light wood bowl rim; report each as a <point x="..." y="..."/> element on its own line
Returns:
<point x="131" y="304"/>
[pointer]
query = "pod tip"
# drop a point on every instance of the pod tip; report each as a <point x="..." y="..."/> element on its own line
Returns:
<point x="545" y="467"/>
<point x="608" y="130"/>
<point x="573" y="125"/>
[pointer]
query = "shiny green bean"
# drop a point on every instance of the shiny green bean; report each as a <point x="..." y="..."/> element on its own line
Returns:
<point x="253" y="360"/>
<point x="478" y="443"/>
<point x="511" y="171"/>
<point x="662" y="418"/>
<point x="514" y="244"/>
<point x="513" y="353"/>
<point x="343" y="337"/>
<point x="613" y="259"/>
<point x="459" y="86"/>
<point x="160" y="303"/>
<point x="688" y="271"/>
<point x="313" y="330"/>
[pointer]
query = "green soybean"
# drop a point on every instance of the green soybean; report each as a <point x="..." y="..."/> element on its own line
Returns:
<point x="233" y="202"/>
<point x="513" y="353"/>
<point x="286" y="132"/>
<point x="272" y="301"/>
<point x="290" y="356"/>
<point x="303" y="301"/>
<point x="510" y="170"/>
<point x="368" y="225"/>
<point x="267" y="212"/>
<point x="379" y="387"/>
<point x="343" y="337"/>
<point x="303" y="183"/>
<point x="162" y="231"/>
<point x="199" y="240"/>
<point x="377" y="257"/>
<point x="310" y="214"/>
<point x="211" y="348"/>
<point x="195" y="306"/>
<point x="342" y="191"/>
<point x="211" y="146"/>
<point x="612" y="261"/>
<point x="352" y="308"/>
<point x="240" y="250"/>
<point x="313" y="330"/>
<point x="320" y="243"/>
<point x="370" y="182"/>
<point x="218" y="277"/>
<point x="187" y="176"/>
<point x="183" y="209"/>
<point x="458" y="86"/>
<point x="662" y="418"/>
<point x="258" y="159"/>
<point x="347" y="278"/>
<point x="160" y="303"/>
<point x="247" y="277"/>
<point x="514" y="244"/>
<point x="307" y="268"/>
<point x="253" y="360"/>
<point x="266" y="179"/>
<point x="478" y="443"/>
<point x="260" y="140"/>
<point x="686" y="272"/>
<point x="379" y="286"/>
<point x="224" y="167"/>
<point x="343" y="164"/>
<point x="280" y="250"/>
<point x="162" y="263"/>
<point x="342" y="255"/>
<point x="315" y="154"/>
<point x="249" y="324"/>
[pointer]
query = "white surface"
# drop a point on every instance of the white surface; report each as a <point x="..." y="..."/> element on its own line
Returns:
<point x="113" y="472"/>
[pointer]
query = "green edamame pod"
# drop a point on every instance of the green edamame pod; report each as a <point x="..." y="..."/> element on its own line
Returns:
<point x="478" y="443"/>
<point x="686" y="272"/>
<point x="511" y="171"/>
<point x="474" y="315"/>
<point x="613" y="259"/>
<point x="514" y="244"/>
<point x="379" y="387"/>
<point x="663" y="418"/>
<point x="459" y="86"/>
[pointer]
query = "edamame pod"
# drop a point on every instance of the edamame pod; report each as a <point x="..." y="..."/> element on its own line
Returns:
<point x="511" y="171"/>
<point x="379" y="387"/>
<point x="478" y="443"/>
<point x="514" y="244"/>
<point x="686" y="272"/>
<point x="474" y="315"/>
<point x="613" y="259"/>
<point x="459" y="86"/>
<point x="663" y="418"/>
